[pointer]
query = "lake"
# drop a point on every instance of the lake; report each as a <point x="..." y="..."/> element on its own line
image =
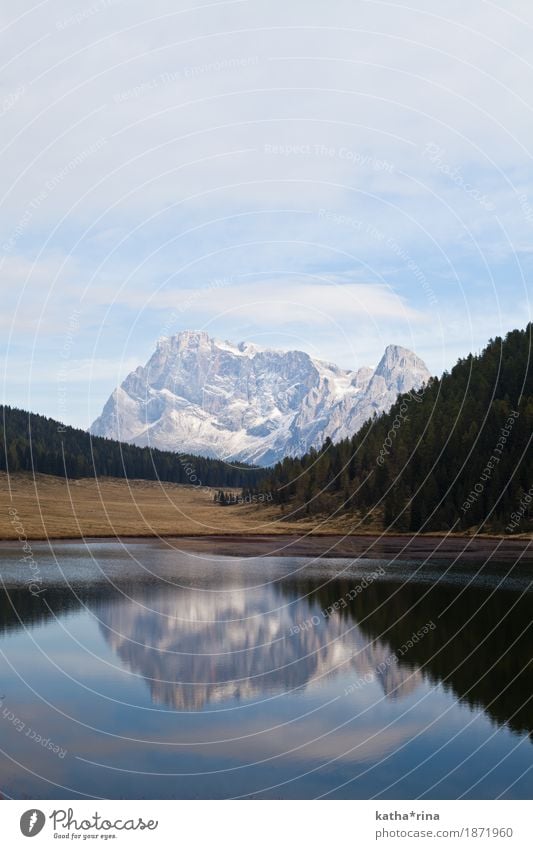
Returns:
<point x="136" y="670"/>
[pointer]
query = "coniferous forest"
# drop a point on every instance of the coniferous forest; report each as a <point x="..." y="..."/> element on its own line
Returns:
<point x="38" y="444"/>
<point x="455" y="455"/>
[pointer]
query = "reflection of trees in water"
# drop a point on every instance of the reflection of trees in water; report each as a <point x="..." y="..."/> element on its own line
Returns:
<point x="20" y="609"/>
<point x="455" y="655"/>
<point x="492" y="671"/>
<point x="386" y="615"/>
<point x="196" y="647"/>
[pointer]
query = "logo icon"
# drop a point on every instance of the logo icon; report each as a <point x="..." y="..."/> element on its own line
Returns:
<point x="32" y="822"/>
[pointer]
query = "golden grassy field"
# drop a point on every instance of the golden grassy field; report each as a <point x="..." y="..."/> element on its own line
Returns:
<point x="45" y="506"/>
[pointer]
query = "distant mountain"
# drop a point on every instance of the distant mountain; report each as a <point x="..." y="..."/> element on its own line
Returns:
<point x="457" y="456"/>
<point x="243" y="402"/>
<point x="34" y="443"/>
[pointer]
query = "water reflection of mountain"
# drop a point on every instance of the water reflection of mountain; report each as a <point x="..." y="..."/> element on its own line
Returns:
<point x="481" y="649"/>
<point x="196" y="648"/>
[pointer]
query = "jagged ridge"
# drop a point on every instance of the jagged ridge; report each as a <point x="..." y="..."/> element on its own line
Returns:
<point x="242" y="402"/>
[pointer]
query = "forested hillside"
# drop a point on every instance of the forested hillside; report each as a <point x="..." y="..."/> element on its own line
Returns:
<point x="455" y="455"/>
<point x="35" y="443"/>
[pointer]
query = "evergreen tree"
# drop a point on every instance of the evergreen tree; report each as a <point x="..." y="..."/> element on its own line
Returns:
<point x="455" y="456"/>
<point x="41" y="445"/>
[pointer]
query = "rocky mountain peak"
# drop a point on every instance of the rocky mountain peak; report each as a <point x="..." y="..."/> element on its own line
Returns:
<point x="200" y="395"/>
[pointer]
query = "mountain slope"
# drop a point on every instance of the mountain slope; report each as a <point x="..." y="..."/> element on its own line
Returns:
<point x="243" y="402"/>
<point x="456" y="456"/>
<point x="34" y="443"/>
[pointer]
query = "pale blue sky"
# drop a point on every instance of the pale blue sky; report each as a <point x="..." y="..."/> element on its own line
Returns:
<point x="330" y="177"/>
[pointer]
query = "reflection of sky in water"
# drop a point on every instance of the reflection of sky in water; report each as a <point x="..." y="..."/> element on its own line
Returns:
<point x="206" y="684"/>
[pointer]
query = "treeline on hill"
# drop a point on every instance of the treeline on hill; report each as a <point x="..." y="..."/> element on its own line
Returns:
<point x="455" y="455"/>
<point x="35" y="443"/>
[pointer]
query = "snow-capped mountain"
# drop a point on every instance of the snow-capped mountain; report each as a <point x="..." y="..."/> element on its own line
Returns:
<point x="199" y="395"/>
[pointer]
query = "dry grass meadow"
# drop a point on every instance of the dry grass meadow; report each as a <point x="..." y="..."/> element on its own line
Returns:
<point x="51" y="507"/>
<point x="43" y="506"/>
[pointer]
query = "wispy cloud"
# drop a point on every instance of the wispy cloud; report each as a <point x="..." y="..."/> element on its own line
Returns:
<point x="149" y="150"/>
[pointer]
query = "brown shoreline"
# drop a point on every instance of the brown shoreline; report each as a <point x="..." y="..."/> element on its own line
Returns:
<point x="367" y="545"/>
<point x="45" y="508"/>
<point x="378" y="546"/>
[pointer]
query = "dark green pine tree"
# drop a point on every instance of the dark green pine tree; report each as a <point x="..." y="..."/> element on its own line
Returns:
<point x="436" y="462"/>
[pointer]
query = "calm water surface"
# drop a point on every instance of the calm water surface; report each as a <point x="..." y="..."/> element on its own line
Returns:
<point x="141" y="671"/>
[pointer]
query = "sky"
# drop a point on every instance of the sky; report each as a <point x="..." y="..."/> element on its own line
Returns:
<point x="329" y="177"/>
